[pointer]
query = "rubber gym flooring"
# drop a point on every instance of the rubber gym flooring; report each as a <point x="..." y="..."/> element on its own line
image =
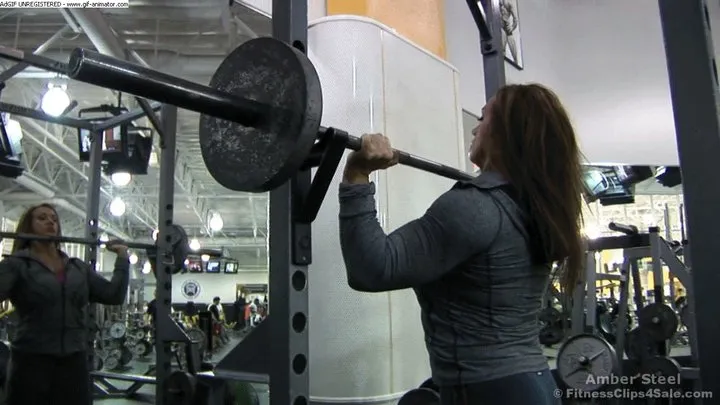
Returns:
<point x="139" y="367"/>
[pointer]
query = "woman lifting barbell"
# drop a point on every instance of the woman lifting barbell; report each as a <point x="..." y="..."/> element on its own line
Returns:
<point x="481" y="256"/>
<point x="50" y="292"/>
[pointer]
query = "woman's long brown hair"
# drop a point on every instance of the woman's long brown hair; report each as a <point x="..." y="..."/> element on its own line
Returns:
<point x="533" y="143"/>
<point x="25" y="226"/>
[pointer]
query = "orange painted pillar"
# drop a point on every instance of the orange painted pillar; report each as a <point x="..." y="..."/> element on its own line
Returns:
<point x="420" y="21"/>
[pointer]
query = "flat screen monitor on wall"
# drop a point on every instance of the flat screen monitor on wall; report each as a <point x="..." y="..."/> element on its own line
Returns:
<point x="231" y="267"/>
<point x="195" y="266"/>
<point x="213" y="266"/>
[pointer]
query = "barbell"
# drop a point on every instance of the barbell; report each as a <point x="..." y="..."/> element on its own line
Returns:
<point x="261" y="112"/>
<point x="179" y="246"/>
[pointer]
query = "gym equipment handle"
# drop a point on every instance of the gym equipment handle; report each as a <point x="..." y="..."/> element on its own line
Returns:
<point x="68" y="239"/>
<point x="105" y="71"/>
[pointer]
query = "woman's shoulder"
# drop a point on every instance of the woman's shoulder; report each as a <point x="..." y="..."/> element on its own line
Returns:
<point x="78" y="263"/>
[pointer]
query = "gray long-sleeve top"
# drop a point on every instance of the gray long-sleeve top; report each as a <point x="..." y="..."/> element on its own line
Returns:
<point x="53" y="312"/>
<point x="468" y="260"/>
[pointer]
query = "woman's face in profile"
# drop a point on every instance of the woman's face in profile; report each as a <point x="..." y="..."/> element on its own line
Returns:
<point x="479" y="133"/>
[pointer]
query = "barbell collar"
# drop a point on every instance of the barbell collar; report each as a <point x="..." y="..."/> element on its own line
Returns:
<point x="112" y="73"/>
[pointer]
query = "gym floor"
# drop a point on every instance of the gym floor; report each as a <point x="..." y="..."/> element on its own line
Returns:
<point x="139" y="367"/>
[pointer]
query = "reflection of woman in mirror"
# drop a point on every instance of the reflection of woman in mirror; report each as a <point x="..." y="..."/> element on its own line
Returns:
<point x="509" y="25"/>
<point x="86" y="141"/>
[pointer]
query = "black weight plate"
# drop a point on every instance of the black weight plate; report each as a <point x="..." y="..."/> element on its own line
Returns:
<point x="148" y="347"/>
<point x="551" y="335"/>
<point x="180" y="388"/>
<point x="420" y="396"/>
<point x="180" y="249"/>
<point x="640" y="347"/>
<point x="126" y="356"/>
<point x="112" y="362"/>
<point x="549" y="316"/>
<point x="659" y="321"/>
<point x="660" y="372"/>
<point x="606" y="324"/>
<point x="258" y="159"/>
<point x="243" y="393"/>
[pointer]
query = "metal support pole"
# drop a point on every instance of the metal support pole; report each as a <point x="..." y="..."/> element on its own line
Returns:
<point x="694" y="94"/>
<point x="591" y="279"/>
<point x="164" y="325"/>
<point x="657" y="266"/>
<point x="92" y="219"/>
<point x="290" y="253"/>
<point x="577" y="325"/>
<point x="667" y="223"/>
<point x="628" y="262"/>
<point x="492" y="50"/>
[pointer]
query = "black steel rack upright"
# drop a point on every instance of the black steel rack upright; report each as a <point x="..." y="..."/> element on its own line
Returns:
<point x="694" y="92"/>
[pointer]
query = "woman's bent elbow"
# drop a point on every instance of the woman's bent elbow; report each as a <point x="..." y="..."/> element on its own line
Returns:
<point x="118" y="299"/>
<point x="362" y="285"/>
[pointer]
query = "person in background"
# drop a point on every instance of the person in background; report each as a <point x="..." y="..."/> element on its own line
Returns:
<point x="218" y="319"/>
<point x="239" y="309"/>
<point x="256" y="309"/>
<point x="215" y="309"/>
<point x="248" y="314"/>
<point x="151" y="310"/>
<point x="51" y="292"/>
<point x="481" y="256"/>
<point x="190" y="313"/>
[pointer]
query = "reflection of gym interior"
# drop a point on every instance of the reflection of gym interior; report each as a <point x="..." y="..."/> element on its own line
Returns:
<point x="228" y="214"/>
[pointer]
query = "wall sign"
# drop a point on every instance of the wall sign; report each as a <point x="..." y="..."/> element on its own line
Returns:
<point x="191" y="289"/>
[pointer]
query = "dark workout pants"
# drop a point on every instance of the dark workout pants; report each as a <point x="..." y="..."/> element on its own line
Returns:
<point x="535" y="388"/>
<point x="42" y="379"/>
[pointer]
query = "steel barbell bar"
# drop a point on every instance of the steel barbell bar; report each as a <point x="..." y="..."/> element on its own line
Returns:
<point x="175" y="259"/>
<point x="71" y="239"/>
